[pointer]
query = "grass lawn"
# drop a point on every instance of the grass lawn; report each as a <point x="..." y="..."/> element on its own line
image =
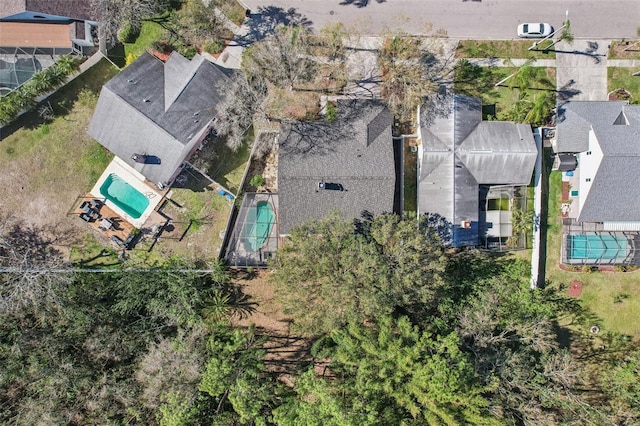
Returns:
<point x="223" y="164"/>
<point x="150" y="32"/>
<point x="505" y="49"/>
<point x="504" y="98"/>
<point x="233" y="10"/>
<point x="199" y="216"/>
<point x="612" y="299"/>
<point x="622" y="78"/>
<point x="45" y="167"/>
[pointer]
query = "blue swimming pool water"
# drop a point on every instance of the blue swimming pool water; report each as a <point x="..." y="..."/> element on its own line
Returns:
<point x="257" y="227"/>
<point x="593" y="247"/>
<point x="123" y="195"/>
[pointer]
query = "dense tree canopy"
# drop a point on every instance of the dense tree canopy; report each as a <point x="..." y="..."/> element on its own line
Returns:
<point x="406" y="332"/>
<point x="331" y="271"/>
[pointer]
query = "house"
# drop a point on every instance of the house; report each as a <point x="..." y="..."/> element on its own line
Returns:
<point x="347" y="165"/>
<point x="154" y="115"/>
<point x="34" y="31"/>
<point x="601" y="205"/>
<point x="469" y="170"/>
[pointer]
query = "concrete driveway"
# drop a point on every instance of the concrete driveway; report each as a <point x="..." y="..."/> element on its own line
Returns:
<point x="581" y="70"/>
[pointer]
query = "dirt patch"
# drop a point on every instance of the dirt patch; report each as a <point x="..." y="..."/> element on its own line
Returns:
<point x="575" y="289"/>
<point x="620" y="95"/>
<point x="628" y="49"/>
<point x="286" y="352"/>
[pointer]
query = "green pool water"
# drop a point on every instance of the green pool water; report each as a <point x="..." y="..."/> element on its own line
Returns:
<point x="123" y="195"/>
<point x="257" y="226"/>
<point x="594" y="247"/>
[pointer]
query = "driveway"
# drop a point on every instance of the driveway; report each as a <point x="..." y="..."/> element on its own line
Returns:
<point x="581" y="70"/>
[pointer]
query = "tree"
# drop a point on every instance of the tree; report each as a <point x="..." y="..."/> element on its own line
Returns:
<point x="621" y="384"/>
<point x="508" y="329"/>
<point x="112" y="14"/>
<point x="199" y="23"/>
<point x="245" y="101"/>
<point x="330" y="272"/>
<point x="34" y="273"/>
<point x="410" y="72"/>
<point x="235" y="377"/>
<point x="282" y="58"/>
<point x="390" y="372"/>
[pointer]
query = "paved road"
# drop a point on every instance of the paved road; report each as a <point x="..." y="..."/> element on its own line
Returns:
<point x="480" y="19"/>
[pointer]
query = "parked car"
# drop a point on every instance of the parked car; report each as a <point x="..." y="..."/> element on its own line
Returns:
<point x="534" y="30"/>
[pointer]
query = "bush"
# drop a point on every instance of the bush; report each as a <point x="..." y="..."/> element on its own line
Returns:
<point x="24" y="97"/>
<point x="188" y="51"/>
<point x="214" y="47"/>
<point x="130" y="58"/>
<point x="256" y="181"/>
<point x="332" y="112"/>
<point x="127" y="33"/>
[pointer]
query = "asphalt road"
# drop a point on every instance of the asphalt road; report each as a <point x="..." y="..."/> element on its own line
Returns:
<point x="476" y="19"/>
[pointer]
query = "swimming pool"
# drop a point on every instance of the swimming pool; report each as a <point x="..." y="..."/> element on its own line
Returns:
<point x="123" y="195"/>
<point x="257" y="226"/>
<point x="597" y="247"/>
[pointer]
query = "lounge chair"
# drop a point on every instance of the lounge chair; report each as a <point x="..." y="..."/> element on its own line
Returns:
<point x="85" y="217"/>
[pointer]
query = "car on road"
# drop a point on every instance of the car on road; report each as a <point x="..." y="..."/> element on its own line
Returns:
<point x="534" y="30"/>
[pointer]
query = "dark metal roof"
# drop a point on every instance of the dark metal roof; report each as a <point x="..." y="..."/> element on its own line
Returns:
<point x="460" y="152"/>
<point x="355" y="151"/>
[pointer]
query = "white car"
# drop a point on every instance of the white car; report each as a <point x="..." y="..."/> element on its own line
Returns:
<point x="534" y="30"/>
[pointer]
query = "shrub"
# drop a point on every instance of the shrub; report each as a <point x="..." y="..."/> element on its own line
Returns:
<point x="24" y="97"/>
<point x="188" y="51"/>
<point x="214" y="47"/>
<point x="332" y="112"/>
<point x="127" y="33"/>
<point x="256" y="181"/>
<point x="130" y="58"/>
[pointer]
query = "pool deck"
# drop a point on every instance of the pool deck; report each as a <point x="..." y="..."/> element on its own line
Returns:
<point x="121" y="228"/>
<point x="138" y="182"/>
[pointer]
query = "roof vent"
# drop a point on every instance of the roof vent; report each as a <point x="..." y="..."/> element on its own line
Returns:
<point x="146" y="101"/>
<point x="39" y="17"/>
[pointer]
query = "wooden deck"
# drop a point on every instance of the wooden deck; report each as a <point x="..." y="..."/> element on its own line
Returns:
<point x="121" y="228"/>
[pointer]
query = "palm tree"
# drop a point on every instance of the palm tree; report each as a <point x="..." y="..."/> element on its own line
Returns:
<point x="217" y="307"/>
<point x="40" y="83"/>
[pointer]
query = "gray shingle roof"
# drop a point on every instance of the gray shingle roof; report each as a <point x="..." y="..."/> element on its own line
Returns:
<point x="575" y="119"/>
<point x="355" y="151"/>
<point x="158" y="109"/>
<point x="615" y="189"/>
<point x="460" y="152"/>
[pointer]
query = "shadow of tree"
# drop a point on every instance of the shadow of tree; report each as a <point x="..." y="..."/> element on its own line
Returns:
<point x="359" y="3"/>
<point x="267" y="19"/>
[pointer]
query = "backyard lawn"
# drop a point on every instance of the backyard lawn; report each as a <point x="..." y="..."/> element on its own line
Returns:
<point x="623" y="78"/>
<point x="612" y="299"/>
<point x="46" y="166"/>
<point x="504" y="49"/>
